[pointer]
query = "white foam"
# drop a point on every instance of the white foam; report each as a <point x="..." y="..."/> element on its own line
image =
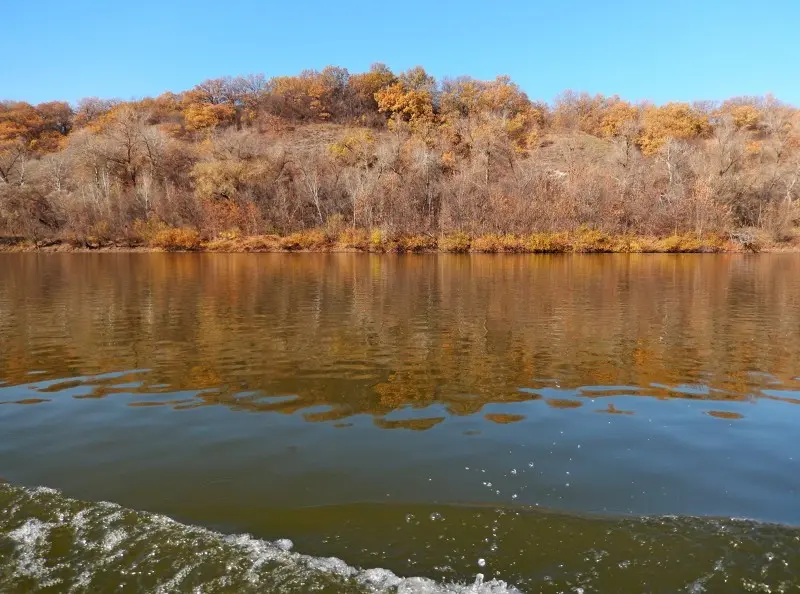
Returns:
<point x="377" y="579"/>
<point x="104" y="532"/>
<point x="28" y="539"/>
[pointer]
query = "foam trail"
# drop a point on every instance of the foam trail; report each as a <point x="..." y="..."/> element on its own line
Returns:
<point x="48" y="540"/>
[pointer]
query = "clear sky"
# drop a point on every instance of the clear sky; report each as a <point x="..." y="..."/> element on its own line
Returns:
<point x="646" y="49"/>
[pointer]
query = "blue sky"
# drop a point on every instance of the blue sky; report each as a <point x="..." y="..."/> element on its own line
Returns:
<point x="650" y="49"/>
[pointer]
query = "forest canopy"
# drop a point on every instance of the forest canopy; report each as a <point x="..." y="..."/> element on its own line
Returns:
<point x="388" y="154"/>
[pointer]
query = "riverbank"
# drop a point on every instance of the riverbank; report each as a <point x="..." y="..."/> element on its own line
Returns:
<point x="579" y="241"/>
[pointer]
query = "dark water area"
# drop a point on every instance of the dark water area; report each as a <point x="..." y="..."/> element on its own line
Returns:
<point x="438" y="423"/>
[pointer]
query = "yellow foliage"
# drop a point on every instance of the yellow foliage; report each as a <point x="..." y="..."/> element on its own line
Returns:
<point x="354" y="238"/>
<point x="176" y="239"/>
<point x="745" y="116"/>
<point x="546" y="243"/>
<point x="355" y="147"/>
<point x="754" y="147"/>
<point x="587" y="240"/>
<point x="448" y="159"/>
<point x="415" y="243"/>
<point x="673" y="120"/>
<point x="311" y="239"/>
<point x="497" y="244"/>
<point x="217" y="178"/>
<point x="367" y="84"/>
<point x="411" y="105"/>
<point x="203" y="116"/>
<point x="616" y="117"/>
<point x="504" y="97"/>
<point x="376" y="240"/>
<point x="456" y="243"/>
<point x="690" y="244"/>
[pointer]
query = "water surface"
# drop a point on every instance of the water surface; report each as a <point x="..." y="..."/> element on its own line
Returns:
<point x="605" y="423"/>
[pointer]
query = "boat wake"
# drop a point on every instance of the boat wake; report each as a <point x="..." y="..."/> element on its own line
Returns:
<point x="49" y="541"/>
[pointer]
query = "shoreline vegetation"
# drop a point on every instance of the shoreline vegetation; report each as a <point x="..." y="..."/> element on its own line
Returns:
<point x="582" y="241"/>
<point x="380" y="161"/>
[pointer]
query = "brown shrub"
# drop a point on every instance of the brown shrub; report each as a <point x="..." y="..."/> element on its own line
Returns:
<point x="415" y="243"/>
<point x="592" y="241"/>
<point x="354" y="239"/>
<point x="176" y="239"/>
<point x="455" y="243"/>
<point x="546" y="243"/>
<point x="494" y="243"/>
<point x="311" y="239"/>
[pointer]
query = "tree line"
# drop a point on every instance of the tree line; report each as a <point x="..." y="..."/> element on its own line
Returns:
<point x="394" y="154"/>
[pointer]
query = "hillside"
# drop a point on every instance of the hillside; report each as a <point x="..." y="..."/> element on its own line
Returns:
<point x="377" y="158"/>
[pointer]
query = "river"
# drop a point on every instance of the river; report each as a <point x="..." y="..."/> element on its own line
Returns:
<point x="378" y="423"/>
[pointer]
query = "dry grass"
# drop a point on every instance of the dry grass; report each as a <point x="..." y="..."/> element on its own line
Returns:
<point x="176" y="239"/>
<point x="356" y="239"/>
<point x="498" y="244"/>
<point x="546" y="243"/>
<point x="456" y="243"/>
<point x="155" y="234"/>
<point x="580" y="241"/>
<point x="413" y="243"/>
<point x="309" y="240"/>
<point x="255" y="243"/>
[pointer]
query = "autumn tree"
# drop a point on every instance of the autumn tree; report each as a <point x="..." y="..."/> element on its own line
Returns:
<point x="410" y="99"/>
<point x="396" y="154"/>
<point x="364" y="87"/>
<point x="676" y="121"/>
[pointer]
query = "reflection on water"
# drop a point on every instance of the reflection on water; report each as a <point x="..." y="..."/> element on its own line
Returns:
<point x="361" y="334"/>
<point x="438" y="416"/>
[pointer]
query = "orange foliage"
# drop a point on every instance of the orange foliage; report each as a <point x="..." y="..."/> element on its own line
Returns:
<point x="203" y="116"/>
<point x="673" y="120"/>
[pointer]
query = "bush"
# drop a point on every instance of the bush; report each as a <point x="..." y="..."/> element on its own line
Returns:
<point x="455" y="243"/>
<point x="677" y="244"/>
<point x="639" y="245"/>
<point x="145" y="231"/>
<point x="546" y="243"/>
<point x="334" y="226"/>
<point x="494" y="243"/>
<point x="488" y="244"/>
<point x="311" y="239"/>
<point x="592" y="241"/>
<point x="354" y="238"/>
<point x="260" y="243"/>
<point x="415" y="243"/>
<point x="376" y="241"/>
<point x="747" y="240"/>
<point x="176" y="239"/>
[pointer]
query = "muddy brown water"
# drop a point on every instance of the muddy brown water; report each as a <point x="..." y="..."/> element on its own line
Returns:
<point x="432" y="423"/>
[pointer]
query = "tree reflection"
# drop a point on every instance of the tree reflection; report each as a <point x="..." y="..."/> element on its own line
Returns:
<point x="361" y="334"/>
